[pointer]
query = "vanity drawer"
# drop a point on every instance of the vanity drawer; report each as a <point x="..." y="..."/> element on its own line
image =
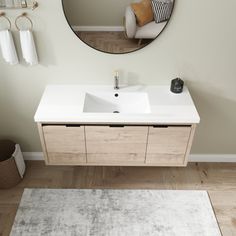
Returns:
<point x="65" y="145"/>
<point x="167" y="145"/>
<point x="116" y="145"/>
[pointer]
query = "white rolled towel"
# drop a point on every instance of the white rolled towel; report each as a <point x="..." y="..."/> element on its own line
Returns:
<point x="19" y="160"/>
<point x="8" y="47"/>
<point x="28" y="47"/>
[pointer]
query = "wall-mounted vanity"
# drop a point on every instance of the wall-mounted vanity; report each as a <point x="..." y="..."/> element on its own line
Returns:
<point x="132" y="126"/>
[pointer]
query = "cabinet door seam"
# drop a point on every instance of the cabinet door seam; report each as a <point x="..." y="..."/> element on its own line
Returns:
<point x="85" y="143"/>
<point x="145" y="160"/>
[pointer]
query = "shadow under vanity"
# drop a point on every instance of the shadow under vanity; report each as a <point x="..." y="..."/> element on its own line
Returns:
<point x="133" y="126"/>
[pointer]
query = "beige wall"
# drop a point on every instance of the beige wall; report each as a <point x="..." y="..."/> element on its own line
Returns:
<point x="198" y="45"/>
<point x="96" y="13"/>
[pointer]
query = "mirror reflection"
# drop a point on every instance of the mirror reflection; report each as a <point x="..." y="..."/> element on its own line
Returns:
<point x="117" y="26"/>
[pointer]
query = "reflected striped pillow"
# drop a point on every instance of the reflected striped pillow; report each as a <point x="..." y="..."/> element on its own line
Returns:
<point x="161" y="10"/>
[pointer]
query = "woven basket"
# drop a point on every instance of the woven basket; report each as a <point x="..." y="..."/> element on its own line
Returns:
<point x="9" y="175"/>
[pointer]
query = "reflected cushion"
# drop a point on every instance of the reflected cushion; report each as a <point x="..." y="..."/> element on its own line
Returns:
<point x="143" y="12"/>
<point x="161" y="10"/>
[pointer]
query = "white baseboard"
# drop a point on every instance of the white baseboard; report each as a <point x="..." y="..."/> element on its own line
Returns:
<point x="38" y="156"/>
<point x="33" y="156"/>
<point x="212" y="157"/>
<point x="98" y="28"/>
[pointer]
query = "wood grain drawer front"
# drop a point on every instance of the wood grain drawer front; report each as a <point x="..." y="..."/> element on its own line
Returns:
<point x="116" y="145"/>
<point x="167" y="146"/>
<point x="65" y="145"/>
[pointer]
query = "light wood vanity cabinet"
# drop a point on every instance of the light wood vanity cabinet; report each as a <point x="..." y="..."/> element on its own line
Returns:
<point x="65" y="145"/>
<point x="116" y="145"/>
<point x="168" y="145"/>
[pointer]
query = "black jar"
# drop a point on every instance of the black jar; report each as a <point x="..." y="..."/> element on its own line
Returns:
<point x="177" y="85"/>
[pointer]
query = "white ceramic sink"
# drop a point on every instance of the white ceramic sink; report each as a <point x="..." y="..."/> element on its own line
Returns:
<point x="116" y="102"/>
<point x="88" y="104"/>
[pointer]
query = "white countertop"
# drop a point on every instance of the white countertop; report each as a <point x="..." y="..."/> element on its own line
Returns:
<point x="65" y="103"/>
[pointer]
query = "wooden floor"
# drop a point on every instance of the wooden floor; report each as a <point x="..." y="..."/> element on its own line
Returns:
<point x="218" y="179"/>
<point x="111" y="42"/>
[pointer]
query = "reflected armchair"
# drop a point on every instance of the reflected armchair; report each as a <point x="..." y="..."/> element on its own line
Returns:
<point x="148" y="31"/>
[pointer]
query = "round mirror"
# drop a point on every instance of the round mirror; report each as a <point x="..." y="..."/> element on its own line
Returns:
<point x="117" y="26"/>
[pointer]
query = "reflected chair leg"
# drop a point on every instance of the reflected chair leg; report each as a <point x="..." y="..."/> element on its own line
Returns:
<point x="139" y="42"/>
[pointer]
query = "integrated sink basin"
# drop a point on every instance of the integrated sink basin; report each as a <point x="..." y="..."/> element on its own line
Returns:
<point x="98" y="104"/>
<point x="117" y="102"/>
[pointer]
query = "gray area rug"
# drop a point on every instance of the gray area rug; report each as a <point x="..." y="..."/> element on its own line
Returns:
<point x="63" y="212"/>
